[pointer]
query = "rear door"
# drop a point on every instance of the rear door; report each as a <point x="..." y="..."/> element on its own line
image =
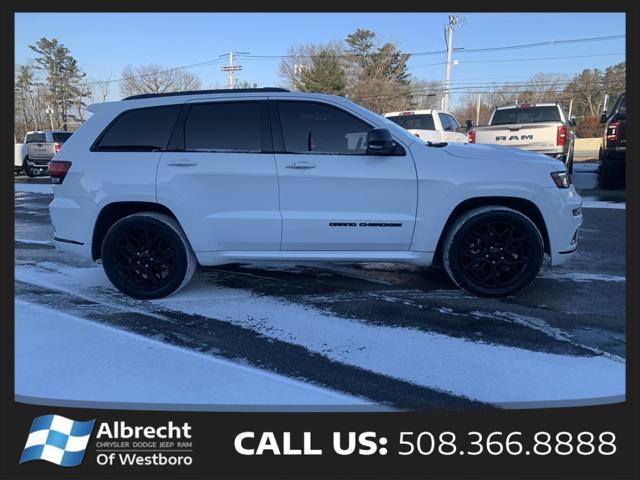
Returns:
<point x="219" y="175"/>
<point x="451" y="129"/>
<point x="333" y="196"/>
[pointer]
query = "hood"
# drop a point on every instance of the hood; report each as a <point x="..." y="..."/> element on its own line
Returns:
<point x="496" y="152"/>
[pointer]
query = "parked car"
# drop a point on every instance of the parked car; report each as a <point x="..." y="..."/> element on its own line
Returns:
<point x="541" y="128"/>
<point x="33" y="156"/>
<point x="614" y="145"/>
<point x="155" y="184"/>
<point x="430" y="125"/>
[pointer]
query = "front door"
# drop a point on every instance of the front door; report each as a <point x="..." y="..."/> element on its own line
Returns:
<point x="333" y="196"/>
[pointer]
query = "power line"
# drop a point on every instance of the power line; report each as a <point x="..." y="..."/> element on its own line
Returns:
<point x="463" y="50"/>
<point x="521" y="59"/>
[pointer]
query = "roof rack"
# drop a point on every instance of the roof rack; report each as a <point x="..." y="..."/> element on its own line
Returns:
<point x="201" y="92"/>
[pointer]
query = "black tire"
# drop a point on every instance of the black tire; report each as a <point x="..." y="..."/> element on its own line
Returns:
<point x="610" y="176"/>
<point x="473" y="259"/>
<point x="569" y="162"/>
<point x="147" y="256"/>
<point x="29" y="171"/>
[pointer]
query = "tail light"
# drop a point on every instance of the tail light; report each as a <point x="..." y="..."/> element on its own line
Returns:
<point x="562" y="136"/>
<point x="613" y="130"/>
<point x="57" y="147"/>
<point x="472" y="136"/>
<point x="58" y="170"/>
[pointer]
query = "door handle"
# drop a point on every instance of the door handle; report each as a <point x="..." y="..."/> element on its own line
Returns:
<point x="183" y="163"/>
<point x="301" y="165"/>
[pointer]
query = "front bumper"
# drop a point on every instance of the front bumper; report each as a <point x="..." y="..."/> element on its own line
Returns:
<point x="561" y="209"/>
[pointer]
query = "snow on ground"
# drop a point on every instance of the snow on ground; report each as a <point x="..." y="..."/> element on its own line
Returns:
<point x="581" y="277"/>
<point x="62" y="357"/>
<point x="588" y="203"/>
<point x="485" y="372"/>
<point x="33" y="188"/>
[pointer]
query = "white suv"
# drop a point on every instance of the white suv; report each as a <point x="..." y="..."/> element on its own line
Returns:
<point x="430" y="125"/>
<point x="155" y="184"/>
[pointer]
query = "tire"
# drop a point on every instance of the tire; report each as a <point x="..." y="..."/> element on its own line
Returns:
<point x="29" y="171"/>
<point x="134" y="240"/>
<point x="609" y="177"/>
<point x="480" y="234"/>
<point x="569" y="162"/>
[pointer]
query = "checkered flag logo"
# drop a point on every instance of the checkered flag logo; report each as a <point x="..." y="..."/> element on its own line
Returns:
<point x="57" y="440"/>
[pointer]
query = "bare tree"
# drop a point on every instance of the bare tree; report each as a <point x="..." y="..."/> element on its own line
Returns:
<point x="156" y="79"/>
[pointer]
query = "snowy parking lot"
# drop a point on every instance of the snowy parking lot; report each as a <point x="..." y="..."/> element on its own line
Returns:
<point x="337" y="336"/>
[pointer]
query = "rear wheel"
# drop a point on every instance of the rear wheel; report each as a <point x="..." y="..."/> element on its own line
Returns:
<point x="493" y="251"/>
<point x="28" y="170"/>
<point x="147" y="256"/>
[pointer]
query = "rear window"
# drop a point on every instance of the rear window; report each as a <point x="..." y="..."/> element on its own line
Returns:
<point x="414" y="122"/>
<point x="61" y="137"/>
<point x="227" y="127"/>
<point x="36" y="138"/>
<point x="143" y="129"/>
<point x="526" y="115"/>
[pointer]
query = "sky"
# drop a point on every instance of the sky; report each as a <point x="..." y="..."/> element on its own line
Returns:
<point x="103" y="43"/>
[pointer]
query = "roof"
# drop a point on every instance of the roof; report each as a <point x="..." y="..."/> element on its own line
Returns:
<point x="207" y="92"/>
<point x="410" y="112"/>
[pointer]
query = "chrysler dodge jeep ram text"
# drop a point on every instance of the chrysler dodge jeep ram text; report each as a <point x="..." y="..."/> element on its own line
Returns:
<point x="156" y="184"/>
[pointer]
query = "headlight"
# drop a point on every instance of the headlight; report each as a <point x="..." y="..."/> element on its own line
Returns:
<point x="561" y="179"/>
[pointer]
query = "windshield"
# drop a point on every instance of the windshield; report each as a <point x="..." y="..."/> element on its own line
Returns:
<point x="61" y="137"/>
<point x="526" y="115"/>
<point x="414" y="122"/>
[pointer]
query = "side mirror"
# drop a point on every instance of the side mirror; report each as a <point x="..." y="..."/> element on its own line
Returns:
<point x="572" y="121"/>
<point x="380" y="142"/>
<point x="603" y="118"/>
<point x="469" y="124"/>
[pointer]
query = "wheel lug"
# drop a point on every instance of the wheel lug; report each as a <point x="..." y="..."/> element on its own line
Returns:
<point x="493" y="261"/>
<point x="138" y="262"/>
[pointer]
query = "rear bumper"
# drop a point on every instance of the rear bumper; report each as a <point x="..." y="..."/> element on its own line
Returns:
<point x="72" y="225"/>
<point x="561" y="209"/>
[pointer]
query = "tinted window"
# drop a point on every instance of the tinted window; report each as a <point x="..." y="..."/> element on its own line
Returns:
<point x="224" y="126"/>
<point x="453" y="123"/>
<point x="314" y="127"/>
<point x="59" y="137"/>
<point x="414" y="122"/>
<point x="143" y="129"/>
<point x="444" y="120"/>
<point x="36" y="138"/>
<point x="526" y="115"/>
<point x="622" y="107"/>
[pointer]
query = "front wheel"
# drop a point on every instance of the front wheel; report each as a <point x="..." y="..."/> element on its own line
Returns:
<point x="147" y="256"/>
<point x="493" y="251"/>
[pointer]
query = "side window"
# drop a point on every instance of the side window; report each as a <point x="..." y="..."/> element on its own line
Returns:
<point x="444" y="119"/>
<point x="224" y="126"/>
<point x="142" y="130"/>
<point x="309" y="127"/>
<point x="453" y="123"/>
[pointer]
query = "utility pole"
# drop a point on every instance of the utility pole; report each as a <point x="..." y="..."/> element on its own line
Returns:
<point x="478" y="111"/>
<point x="230" y="68"/>
<point x="453" y="23"/>
<point x="49" y="111"/>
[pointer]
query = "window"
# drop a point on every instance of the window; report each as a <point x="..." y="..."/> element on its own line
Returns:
<point x="309" y="127"/>
<point x="142" y="129"/>
<point x="61" y="137"/>
<point x="36" y="138"/>
<point x="526" y="115"/>
<point x="446" y="123"/>
<point x="414" y="122"/>
<point x="453" y="123"/>
<point x="228" y="126"/>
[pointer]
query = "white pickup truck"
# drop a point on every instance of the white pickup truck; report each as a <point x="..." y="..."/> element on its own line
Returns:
<point x="32" y="157"/>
<point x="541" y="128"/>
<point x="433" y="126"/>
